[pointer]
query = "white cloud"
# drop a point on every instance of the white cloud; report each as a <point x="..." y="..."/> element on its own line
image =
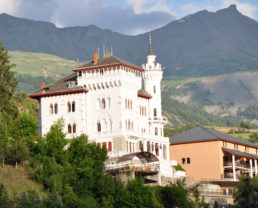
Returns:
<point x="147" y="6"/>
<point x="244" y="7"/>
<point x="9" y="6"/>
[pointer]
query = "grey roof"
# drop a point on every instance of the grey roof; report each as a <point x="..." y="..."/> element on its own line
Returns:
<point x="110" y="60"/>
<point x="68" y="83"/>
<point x="201" y="133"/>
<point x="236" y="152"/>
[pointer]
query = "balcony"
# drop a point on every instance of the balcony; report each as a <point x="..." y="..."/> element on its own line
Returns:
<point x="162" y="120"/>
<point x="238" y="165"/>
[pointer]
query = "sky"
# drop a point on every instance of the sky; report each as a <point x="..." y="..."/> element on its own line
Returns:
<point x="125" y="16"/>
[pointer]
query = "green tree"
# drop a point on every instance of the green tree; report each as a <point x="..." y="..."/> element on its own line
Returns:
<point x="27" y="125"/>
<point x="246" y="194"/>
<point x="3" y="140"/>
<point x="253" y="137"/>
<point x="17" y="151"/>
<point x="174" y="195"/>
<point x="8" y="83"/>
<point x="4" y="199"/>
<point x="199" y="202"/>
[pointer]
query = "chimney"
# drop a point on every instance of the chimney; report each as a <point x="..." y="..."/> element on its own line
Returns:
<point x="95" y="57"/>
<point x="42" y="85"/>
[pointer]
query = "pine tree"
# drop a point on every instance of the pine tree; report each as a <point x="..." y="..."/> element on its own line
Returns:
<point x="8" y="83"/>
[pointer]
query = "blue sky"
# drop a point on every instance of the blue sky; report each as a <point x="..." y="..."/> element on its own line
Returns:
<point x="124" y="16"/>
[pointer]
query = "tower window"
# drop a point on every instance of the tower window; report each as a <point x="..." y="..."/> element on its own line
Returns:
<point x="74" y="128"/>
<point x="69" y="130"/>
<point x="73" y="107"/>
<point x="155" y="112"/>
<point x="156" y="131"/>
<point x="103" y="104"/>
<point x="99" y="126"/>
<point x="68" y="107"/>
<point x="51" y="109"/>
<point x="56" y="108"/>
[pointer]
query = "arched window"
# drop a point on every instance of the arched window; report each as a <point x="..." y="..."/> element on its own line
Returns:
<point x="108" y="103"/>
<point x="103" y="103"/>
<point x="156" y="130"/>
<point x="145" y="111"/>
<point x="131" y="104"/>
<point x="73" y="106"/>
<point x="51" y="109"/>
<point x="68" y="107"/>
<point x="69" y="130"/>
<point x="148" y="146"/>
<point x="155" y="112"/>
<point x="110" y="124"/>
<point x="56" y="108"/>
<point x="154" y="89"/>
<point x="74" y="128"/>
<point x="129" y="125"/>
<point x="98" y="104"/>
<point x="99" y="126"/>
<point x="141" y="146"/>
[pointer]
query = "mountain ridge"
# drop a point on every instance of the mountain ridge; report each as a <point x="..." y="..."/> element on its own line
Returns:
<point x="201" y="44"/>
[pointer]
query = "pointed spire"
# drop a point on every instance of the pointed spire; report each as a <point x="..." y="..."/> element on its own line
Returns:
<point x="150" y="45"/>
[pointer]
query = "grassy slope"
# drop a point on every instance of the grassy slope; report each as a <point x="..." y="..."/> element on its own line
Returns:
<point x="18" y="181"/>
<point x="41" y="64"/>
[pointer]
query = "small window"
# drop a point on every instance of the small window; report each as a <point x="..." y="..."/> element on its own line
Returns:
<point x="80" y="73"/>
<point x="154" y="89"/>
<point x="235" y="146"/>
<point x="104" y="145"/>
<point x="98" y="127"/>
<point x="73" y="107"/>
<point x="103" y="104"/>
<point x="188" y="160"/>
<point x="156" y="130"/>
<point x="74" y="128"/>
<point x="69" y="130"/>
<point x="246" y="149"/>
<point x="110" y="146"/>
<point x="56" y="108"/>
<point x="68" y="107"/>
<point x="183" y="160"/>
<point x="155" y="112"/>
<point x="51" y="109"/>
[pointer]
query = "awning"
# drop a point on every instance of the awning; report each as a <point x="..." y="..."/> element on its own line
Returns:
<point x="238" y="153"/>
<point x="145" y="157"/>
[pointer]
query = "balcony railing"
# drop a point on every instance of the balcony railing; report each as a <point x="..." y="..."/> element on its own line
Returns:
<point x="237" y="164"/>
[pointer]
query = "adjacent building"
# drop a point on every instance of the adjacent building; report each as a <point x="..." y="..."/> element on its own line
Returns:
<point x="208" y="154"/>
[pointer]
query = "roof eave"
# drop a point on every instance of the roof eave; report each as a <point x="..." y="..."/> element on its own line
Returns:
<point x="37" y="96"/>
